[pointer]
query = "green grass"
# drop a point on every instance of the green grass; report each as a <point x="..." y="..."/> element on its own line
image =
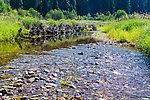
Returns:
<point x="134" y="31"/>
<point x="28" y="22"/>
<point x="9" y="26"/>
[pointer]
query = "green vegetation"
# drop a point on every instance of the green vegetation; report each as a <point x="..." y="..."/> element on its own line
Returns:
<point x="9" y="26"/>
<point x="82" y="7"/>
<point x="133" y="31"/>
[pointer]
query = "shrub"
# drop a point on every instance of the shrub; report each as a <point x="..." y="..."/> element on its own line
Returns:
<point x="134" y="31"/>
<point x="22" y="12"/>
<point x="34" y="13"/>
<point x="9" y="27"/>
<point x="55" y="14"/>
<point x="4" y="7"/>
<point x="28" y="22"/>
<point x="121" y="14"/>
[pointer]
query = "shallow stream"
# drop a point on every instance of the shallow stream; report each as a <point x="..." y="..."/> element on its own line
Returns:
<point x="81" y="70"/>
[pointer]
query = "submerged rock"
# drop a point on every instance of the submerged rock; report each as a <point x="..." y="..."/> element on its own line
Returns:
<point x="80" y="53"/>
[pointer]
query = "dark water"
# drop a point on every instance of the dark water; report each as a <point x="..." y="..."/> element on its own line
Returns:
<point x="92" y="70"/>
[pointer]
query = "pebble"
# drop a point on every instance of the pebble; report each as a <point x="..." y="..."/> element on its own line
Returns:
<point x="20" y="90"/>
<point x="3" y="91"/>
<point x="52" y="84"/>
<point x="54" y="74"/>
<point x="17" y="85"/>
<point x="46" y="70"/>
<point x="73" y="86"/>
<point x="103" y="71"/>
<point x="80" y="53"/>
<point x="9" y="67"/>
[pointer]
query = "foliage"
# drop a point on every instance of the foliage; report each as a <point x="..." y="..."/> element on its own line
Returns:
<point x="65" y="82"/>
<point x="28" y="22"/>
<point x="104" y="17"/>
<point x="4" y="7"/>
<point x="9" y="27"/>
<point x="58" y="14"/>
<point x="121" y="14"/>
<point x="34" y="13"/>
<point x="31" y="13"/>
<point x="134" y="31"/>
<point x="55" y="14"/>
<point x="82" y="7"/>
<point x="144" y="43"/>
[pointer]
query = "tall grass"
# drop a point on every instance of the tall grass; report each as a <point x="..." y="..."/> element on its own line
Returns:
<point x="134" y="31"/>
<point x="28" y="22"/>
<point x="9" y="26"/>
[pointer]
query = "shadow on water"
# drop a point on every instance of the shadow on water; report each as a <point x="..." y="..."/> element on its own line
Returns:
<point x="10" y="50"/>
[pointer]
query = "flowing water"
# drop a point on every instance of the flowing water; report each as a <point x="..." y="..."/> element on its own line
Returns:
<point x="83" y="69"/>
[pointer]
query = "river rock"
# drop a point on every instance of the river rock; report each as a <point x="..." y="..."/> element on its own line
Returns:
<point x="80" y="53"/>
<point x="3" y="91"/>
<point x="30" y="72"/>
<point x="17" y="85"/>
<point x="46" y="70"/>
<point x="54" y="74"/>
<point x="73" y="86"/>
<point x="20" y="90"/>
<point x="51" y="84"/>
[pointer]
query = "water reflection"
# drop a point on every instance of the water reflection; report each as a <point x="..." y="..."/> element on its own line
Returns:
<point x="11" y="50"/>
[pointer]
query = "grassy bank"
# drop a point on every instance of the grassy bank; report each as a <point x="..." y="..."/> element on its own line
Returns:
<point x="9" y="26"/>
<point x="134" y="31"/>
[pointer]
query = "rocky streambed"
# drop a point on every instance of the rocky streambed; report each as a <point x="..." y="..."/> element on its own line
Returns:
<point x="94" y="71"/>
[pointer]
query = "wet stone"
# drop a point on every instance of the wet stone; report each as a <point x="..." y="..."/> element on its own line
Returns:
<point x="51" y="84"/>
<point x="17" y="85"/>
<point x="24" y="98"/>
<point x="54" y="74"/>
<point x="46" y="70"/>
<point x="96" y="63"/>
<point x="42" y="78"/>
<point x="20" y="90"/>
<point x="37" y="78"/>
<point x="28" y="76"/>
<point x="3" y="91"/>
<point x="50" y="81"/>
<point x="73" y="86"/>
<point x="1" y="94"/>
<point x="31" y="73"/>
<point x="80" y="53"/>
<point x="19" y="81"/>
<point x="9" y="94"/>
<point x="73" y="47"/>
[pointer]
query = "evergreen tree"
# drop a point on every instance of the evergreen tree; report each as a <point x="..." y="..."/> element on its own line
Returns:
<point x="16" y="4"/>
<point x="82" y="7"/>
<point x="64" y="4"/>
<point x="147" y="6"/>
<point x="125" y="5"/>
<point x="134" y="5"/>
<point x="73" y="4"/>
<point x="55" y="4"/>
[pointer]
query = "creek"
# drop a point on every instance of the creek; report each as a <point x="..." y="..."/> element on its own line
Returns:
<point x="75" y="68"/>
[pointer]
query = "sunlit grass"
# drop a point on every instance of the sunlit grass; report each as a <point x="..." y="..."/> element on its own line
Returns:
<point x="8" y="27"/>
<point x="134" y="31"/>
